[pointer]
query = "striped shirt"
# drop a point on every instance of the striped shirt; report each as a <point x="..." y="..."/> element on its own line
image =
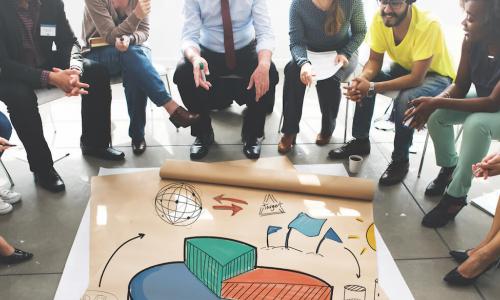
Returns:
<point x="307" y="29"/>
<point x="29" y="18"/>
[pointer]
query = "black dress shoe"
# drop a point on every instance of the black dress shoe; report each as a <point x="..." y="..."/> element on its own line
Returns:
<point x="395" y="173"/>
<point x="17" y="257"/>
<point x="460" y="255"/>
<point x="438" y="185"/>
<point x="199" y="149"/>
<point x="353" y="147"/>
<point x="183" y="118"/>
<point x="456" y="279"/>
<point x="50" y="180"/>
<point x="444" y="212"/>
<point x="138" y="147"/>
<point x="108" y="153"/>
<point x="252" y="147"/>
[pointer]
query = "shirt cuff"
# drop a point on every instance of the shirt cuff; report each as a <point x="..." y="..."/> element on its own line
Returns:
<point x="189" y="44"/>
<point x="44" y="78"/>
<point x="265" y="45"/>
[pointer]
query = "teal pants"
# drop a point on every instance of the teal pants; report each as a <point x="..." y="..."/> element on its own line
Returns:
<point x="478" y="131"/>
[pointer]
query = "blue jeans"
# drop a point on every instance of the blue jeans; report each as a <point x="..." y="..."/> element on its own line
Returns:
<point x="432" y="86"/>
<point x="140" y="80"/>
<point x="5" y="128"/>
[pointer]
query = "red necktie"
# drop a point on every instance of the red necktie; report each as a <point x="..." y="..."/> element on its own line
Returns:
<point x="228" y="35"/>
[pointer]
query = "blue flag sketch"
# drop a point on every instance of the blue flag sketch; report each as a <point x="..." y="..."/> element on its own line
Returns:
<point x="306" y="225"/>
<point x="332" y="235"/>
<point x="273" y="229"/>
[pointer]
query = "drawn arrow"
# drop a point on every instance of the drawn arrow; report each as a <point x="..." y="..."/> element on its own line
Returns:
<point x="221" y="198"/>
<point x="357" y="262"/>
<point x="139" y="236"/>
<point x="233" y="207"/>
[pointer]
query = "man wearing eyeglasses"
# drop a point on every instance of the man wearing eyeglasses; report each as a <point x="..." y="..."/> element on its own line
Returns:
<point x="421" y="66"/>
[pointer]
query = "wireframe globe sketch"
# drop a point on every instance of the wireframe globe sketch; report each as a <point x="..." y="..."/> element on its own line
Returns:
<point x="178" y="204"/>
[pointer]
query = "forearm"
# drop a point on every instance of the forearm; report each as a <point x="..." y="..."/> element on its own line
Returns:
<point x="191" y="53"/>
<point x="371" y="69"/>
<point x="455" y="91"/>
<point x="265" y="58"/>
<point x="484" y="104"/>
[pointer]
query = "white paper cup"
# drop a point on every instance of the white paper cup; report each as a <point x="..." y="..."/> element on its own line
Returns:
<point x="355" y="163"/>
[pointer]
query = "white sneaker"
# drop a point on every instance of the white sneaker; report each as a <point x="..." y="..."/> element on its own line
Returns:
<point x="5" y="207"/>
<point x="9" y="196"/>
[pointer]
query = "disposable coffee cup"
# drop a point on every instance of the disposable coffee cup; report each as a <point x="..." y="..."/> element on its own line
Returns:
<point x="355" y="162"/>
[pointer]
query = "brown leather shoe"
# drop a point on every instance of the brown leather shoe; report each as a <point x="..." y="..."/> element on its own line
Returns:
<point x="183" y="118"/>
<point x="286" y="143"/>
<point x="323" y="139"/>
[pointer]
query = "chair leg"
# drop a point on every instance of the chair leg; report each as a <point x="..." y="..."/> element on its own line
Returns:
<point x="423" y="155"/>
<point x="346" y="118"/>
<point x="281" y="122"/>
<point x="460" y="131"/>
<point x="7" y="173"/>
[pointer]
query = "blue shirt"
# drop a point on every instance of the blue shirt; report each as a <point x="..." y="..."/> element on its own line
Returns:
<point x="203" y="24"/>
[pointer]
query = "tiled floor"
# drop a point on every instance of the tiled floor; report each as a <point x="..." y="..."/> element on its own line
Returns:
<point x="46" y="223"/>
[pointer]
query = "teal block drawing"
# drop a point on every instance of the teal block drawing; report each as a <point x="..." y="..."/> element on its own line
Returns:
<point x="213" y="260"/>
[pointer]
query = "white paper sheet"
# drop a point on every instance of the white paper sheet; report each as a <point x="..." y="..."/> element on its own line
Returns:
<point x="487" y="202"/>
<point x="323" y="64"/>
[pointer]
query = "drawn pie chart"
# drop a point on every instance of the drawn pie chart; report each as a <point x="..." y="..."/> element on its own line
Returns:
<point x="370" y="237"/>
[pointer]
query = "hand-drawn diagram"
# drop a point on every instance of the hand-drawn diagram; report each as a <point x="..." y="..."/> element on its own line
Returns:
<point x="98" y="295"/>
<point x="306" y="225"/>
<point x="354" y="292"/>
<point x="370" y="237"/>
<point x="271" y="230"/>
<point x="330" y="235"/>
<point x="178" y="204"/>
<point x="233" y="207"/>
<point x="139" y="236"/>
<point x="215" y="268"/>
<point x="271" y="206"/>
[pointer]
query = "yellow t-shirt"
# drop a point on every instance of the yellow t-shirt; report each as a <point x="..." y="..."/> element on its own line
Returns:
<point x="424" y="40"/>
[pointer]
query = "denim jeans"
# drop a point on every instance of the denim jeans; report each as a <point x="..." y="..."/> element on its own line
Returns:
<point x="5" y="128"/>
<point x="140" y="80"/>
<point x="432" y="86"/>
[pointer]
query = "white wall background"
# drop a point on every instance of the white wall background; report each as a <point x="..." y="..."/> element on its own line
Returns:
<point x="166" y="24"/>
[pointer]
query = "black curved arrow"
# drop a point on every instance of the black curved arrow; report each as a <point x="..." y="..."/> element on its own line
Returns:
<point x="357" y="262"/>
<point x="139" y="236"/>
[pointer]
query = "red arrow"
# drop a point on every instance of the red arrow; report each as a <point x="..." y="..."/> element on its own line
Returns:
<point x="221" y="198"/>
<point x="233" y="207"/>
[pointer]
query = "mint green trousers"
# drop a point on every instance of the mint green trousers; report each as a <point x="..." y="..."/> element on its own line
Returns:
<point x="478" y="131"/>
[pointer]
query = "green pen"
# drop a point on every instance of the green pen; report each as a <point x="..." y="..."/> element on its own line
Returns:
<point x="202" y="69"/>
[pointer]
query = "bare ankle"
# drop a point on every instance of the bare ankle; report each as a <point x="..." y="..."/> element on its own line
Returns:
<point x="171" y="106"/>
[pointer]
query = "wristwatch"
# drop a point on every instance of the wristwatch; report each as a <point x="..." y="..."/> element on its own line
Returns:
<point x="371" y="90"/>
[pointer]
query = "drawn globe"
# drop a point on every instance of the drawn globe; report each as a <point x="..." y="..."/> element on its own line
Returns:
<point x="178" y="204"/>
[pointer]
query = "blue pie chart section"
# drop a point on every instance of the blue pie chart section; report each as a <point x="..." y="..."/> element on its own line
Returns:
<point x="171" y="281"/>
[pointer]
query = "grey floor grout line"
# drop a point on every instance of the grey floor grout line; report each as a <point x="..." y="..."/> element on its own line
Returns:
<point x="31" y="274"/>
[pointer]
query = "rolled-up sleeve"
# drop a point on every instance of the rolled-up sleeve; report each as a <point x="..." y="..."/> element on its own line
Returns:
<point x="262" y="23"/>
<point x="192" y="25"/>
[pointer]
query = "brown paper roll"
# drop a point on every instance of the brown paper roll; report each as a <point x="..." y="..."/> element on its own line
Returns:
<point x="288" y="181"/>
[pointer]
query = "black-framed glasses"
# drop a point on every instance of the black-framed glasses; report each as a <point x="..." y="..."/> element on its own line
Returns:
<point x="394" y="4"/>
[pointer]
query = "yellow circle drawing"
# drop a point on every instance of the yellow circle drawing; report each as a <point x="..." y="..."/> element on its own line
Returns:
<point x="370" y="237"/>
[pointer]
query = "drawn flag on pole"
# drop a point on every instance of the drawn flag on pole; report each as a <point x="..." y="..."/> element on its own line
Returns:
<point x="306" y="225"/>
<point x="273" y="229"/>
<point x="330" y="235"/>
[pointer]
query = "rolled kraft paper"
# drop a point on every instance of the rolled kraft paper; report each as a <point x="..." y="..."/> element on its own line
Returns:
<point x="287" y="181"/>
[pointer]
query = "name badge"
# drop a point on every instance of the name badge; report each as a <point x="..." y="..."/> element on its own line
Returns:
<point x="47" y="30"/>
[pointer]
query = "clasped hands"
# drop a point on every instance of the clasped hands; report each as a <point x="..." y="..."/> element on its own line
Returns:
<point x="489" y="166"/>
<point x="68" y="81"/>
